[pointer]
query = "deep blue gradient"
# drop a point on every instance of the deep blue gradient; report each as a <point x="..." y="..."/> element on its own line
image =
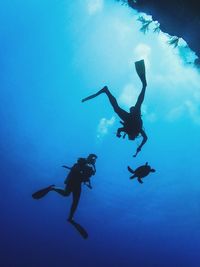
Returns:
<point x="54" y="53"/>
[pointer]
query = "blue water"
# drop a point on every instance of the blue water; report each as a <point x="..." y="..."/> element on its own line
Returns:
<point x="54" y="53"/>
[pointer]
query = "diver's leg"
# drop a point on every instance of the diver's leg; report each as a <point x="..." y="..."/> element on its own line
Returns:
<point x="120" y="112"/>
<point x="140" y="69"/>
<point x="62" y="192"/>
<point x="140" y="98"/>
<point x="76" y="197"/>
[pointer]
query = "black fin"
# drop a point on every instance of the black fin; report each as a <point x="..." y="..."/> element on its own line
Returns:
<point x="42" y="192"/>
<point x="140" y="69"/>
<point x="79" y="228"/>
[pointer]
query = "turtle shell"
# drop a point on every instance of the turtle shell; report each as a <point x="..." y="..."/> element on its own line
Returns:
<point x="142" y="171"/>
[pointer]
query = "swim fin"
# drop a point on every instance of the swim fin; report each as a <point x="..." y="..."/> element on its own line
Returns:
<point x="103" y="90"/>
<point x="140" y="69"/>
<point x="42" y="192"/>
<point x="79" y="228"/>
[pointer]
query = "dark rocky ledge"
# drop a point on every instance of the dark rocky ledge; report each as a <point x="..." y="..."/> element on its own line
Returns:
<point x="177" y="18"/>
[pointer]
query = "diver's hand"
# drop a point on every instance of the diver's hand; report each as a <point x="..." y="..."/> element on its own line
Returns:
<point x="88" y="185"/>
<point x="64" y="166"/>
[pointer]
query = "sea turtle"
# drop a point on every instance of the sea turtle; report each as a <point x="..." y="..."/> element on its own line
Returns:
<point x="141" y="172"/>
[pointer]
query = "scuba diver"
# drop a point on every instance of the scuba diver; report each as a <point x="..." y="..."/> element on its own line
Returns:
<point x="79" y="173"/>
<point x="131" y="121"/>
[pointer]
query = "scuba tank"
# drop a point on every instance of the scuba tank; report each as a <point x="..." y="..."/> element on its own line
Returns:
<point x="81" y="170"/>
<point x="132" y="126"/>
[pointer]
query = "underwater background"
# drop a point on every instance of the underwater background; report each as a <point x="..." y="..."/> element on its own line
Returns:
<point x="53" y="54"/>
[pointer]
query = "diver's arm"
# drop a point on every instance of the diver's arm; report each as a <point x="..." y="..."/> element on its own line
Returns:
<point x="88" y="184"/>
<point x="93" y="169"/>
<point x="66" y="167"/>
<point x="142" y="143"/>
<point x="143" y="140"/>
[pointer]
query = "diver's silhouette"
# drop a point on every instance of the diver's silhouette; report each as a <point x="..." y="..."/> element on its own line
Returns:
<point x="131" y="121"/>
<point x="79" y="173"/>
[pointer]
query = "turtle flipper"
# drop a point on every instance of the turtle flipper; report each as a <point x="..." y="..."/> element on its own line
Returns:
<point x="131" y="170"/>
<point x="133" y="176"/>
<point x="140" y="180"/>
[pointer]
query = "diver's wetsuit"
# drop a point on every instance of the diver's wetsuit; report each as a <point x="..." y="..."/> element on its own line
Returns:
<point x="132" y="122"/>
<point x="80" y="172"/>
<point x="73" y="185"/>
